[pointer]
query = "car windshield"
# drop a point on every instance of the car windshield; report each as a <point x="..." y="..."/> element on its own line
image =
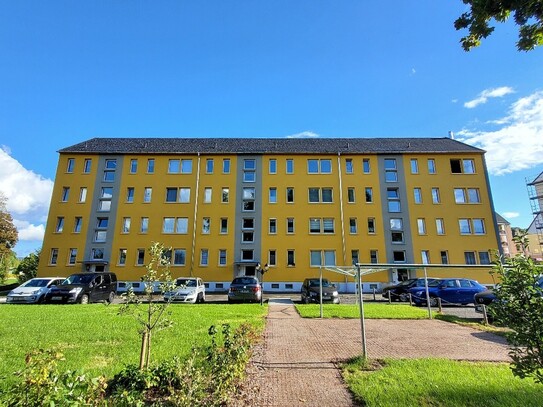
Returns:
<point x="407" y="282"/>
<point x="316" y="283"/>
<point x="78" y="279"/>
<point x="187" y="282"/>
<point x="36" y="282"/>
<point x="245" y="280"/>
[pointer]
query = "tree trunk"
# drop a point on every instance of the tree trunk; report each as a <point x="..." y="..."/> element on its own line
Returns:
<point x="144" y="347"/>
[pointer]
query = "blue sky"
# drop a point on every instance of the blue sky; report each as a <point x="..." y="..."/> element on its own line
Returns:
<point x="73" y="70"/>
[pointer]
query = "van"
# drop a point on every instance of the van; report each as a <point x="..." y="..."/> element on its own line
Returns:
<point x="84" y="288"/>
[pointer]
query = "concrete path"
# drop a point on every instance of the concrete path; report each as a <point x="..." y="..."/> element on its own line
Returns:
<point x="298" y="362"/>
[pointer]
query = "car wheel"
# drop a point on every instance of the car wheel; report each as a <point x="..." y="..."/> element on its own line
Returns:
<point x="433" y="301"/>
<point x="111" y="297"/>
<point x="84" y="299"/>
<point x="404" y="297"/>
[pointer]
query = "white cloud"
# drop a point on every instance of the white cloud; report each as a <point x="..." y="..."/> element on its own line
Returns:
<point x="488" y="93"/>
<point x="29" y="231"/>
<point x="304" y="134"/>
<point x="516" y="146"/>
<point x="510" y="215"/>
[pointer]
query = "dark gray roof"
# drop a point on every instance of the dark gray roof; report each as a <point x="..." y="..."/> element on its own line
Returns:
<point x="501" y="220"/>
<point x="269" y="146"/>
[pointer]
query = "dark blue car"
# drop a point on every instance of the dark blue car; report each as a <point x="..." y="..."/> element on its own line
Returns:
<point x="450" y="290"/>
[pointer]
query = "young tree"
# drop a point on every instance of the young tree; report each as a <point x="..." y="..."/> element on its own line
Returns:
<point x="528" y="15"/>
<point x="28" y="267"/>
<point x="519" y="306"/>
<point x="149" y="312"/>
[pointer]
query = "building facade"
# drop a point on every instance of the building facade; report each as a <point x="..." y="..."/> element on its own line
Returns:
<point x="230" y="207"/>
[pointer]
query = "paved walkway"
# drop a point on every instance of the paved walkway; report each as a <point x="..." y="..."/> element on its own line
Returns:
<point x="297" y="364"/>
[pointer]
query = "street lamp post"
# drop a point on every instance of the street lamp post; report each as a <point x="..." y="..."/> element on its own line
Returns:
<point x="262" y="271"/>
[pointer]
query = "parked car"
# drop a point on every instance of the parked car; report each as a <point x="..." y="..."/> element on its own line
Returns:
<point x="311" y="291"/>
<point x="486" y="298"/>
<point x="32" y="291"/>
<point x="245" y="289"/>
<point x="84" y="288"/>
<point x="400" y="291"/>
<point x="450" y="290"/>
<point x="188" y="289"/>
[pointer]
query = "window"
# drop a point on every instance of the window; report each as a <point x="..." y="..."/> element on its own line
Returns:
<point x="140" y="257"/>
<point x="421" y="226"/>
<point x="206" y="225"/>
<point x="247" y="237"/>
<point x="249" y="167"/>
<point x="209" y="166"/>
<point x="391" y="172"/>
<point x="60" y="224"/>
<point x="179" y="257"/>
<point x="104" y="206"/>
<point x="414" y="166"/>
<point x="484" y="258"/>
<point x="186" y="166"/>
<point x="272" y="228"/>
<point x="459" y="195"/>
<point x="224" y="226"/>
<point x="226" y="166"/>
<point x="222" y="257"/>
<point x="366" y="165"/>
<point x="435" y="196"/>
<point x="147" y="193"/>
<point x="133" y="166"/>
<point x="465" y="226"/>
<point x="70" y="168"/>
<point x="272" y="257"/>
<point x="78" y="222"/>
<point x="150" y="165"/>
<point x="184" y="195"/>
<point x="130" y="194"/>
<point x="111" y="164"/>
<point x="82" y="194"/>
<point x="290" y="225"/>
<point x="371" y="225"/>
<point x="369" y="194"/>
<point x="374" y="256"/>
<point x="102" y="223"/>
<point x="54" y="255"/>
<point x="207" y="195"/>
<point x="314" y="225"/>
<point x="444" y="257"/>
<point x="225" y="195"/>
<point x="122" y="257"/>
<point x="272" y="167"/>
<point x="109" y="172"/>
<point x="417" y="195"/>
<point x="290" y="166"/>
<point x="469" y="258"/>
<point x="171" y="194"/>
<point x="247" y="254"/>
<point x="72" y="256"/>
<point x="290" y="194"/>
<point x="97" y="254"/>
<point x="273" y="195"/>
<point x="126" y="225"/>
<point x="396" y="237"/>
<point x="440" y="226"/>
<point x="204" y="257"/>
<point x="315" y="258"/>
<point x="328" y="225"/>
<point x="65" y="194"/>
<point x="323" y="195"/>
<point x="100" y="236"/>
<point x="431" y="166"/>
<point x="168" y="225"/>
<point x="393" y="196"/>
<point x="352" y="226"/>
<point x="107" y="192"/>
<point x="290" y="258"/>
<point x="465" y="166"/>
<point x="248" y="223"/>
<point x="355" y="258"/>
<point x="467" y="195"/>
<point x="180" y="166"/>
<point x="318" y="225"/>
<point x="425" y="256"/>
<point x="396" y="224"/>
<point x="314" y="195"/>
<point x="398" y="256"/>
<point x="326" y="195"/>
<point x="322" y="166"/>
<point x="478" y="226"/>
<point x="173" y="166"/>
<point x="87" y="165"/>
<point x="248" y="193"/>
<point x="350" y="195"/>
<point x="473" y="195"/>
<point x="348" y="166"/>
<point x="144" y="227"/>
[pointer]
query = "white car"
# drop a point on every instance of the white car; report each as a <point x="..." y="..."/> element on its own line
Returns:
<point x="188" y="289"/>
<point x="33" y="291"/>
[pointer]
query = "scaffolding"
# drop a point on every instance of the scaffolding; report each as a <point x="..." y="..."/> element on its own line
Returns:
<point x="535" y="193"/>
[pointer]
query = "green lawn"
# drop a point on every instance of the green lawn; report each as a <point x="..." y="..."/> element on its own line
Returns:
<point x="94" y="338"/>
<point x="438" y="382"/>
<point x="371" y="310"/>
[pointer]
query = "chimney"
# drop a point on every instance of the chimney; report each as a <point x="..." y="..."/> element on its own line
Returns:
<point x="451" y="135"/>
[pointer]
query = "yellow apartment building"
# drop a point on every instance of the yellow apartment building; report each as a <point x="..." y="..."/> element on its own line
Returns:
<point x="229" y="207"/>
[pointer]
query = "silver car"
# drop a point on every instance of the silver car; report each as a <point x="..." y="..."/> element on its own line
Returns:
<point x="33" y="291"/>
<point x="187" y="289"/>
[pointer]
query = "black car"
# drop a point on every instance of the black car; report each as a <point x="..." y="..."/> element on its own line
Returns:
<point x="84" y="288"/>
<point x="485" y="298"/>
<point x="400" y="291"/>
<point x="245" y="289"/>
<point x="311" y="291"/>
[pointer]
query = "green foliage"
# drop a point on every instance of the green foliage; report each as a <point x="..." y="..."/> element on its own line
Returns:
<point x="528" y="15"/>
<point x="149" y="312"/>
<point x="28" y="267"/>
<point x="519" y="306"/>
<point x="41" y="383"/>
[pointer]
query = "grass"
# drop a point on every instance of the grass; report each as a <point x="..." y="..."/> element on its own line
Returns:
<point x="371" y="311"/>
<point x="440" y="382"/>
<point x="97" y="340"/>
